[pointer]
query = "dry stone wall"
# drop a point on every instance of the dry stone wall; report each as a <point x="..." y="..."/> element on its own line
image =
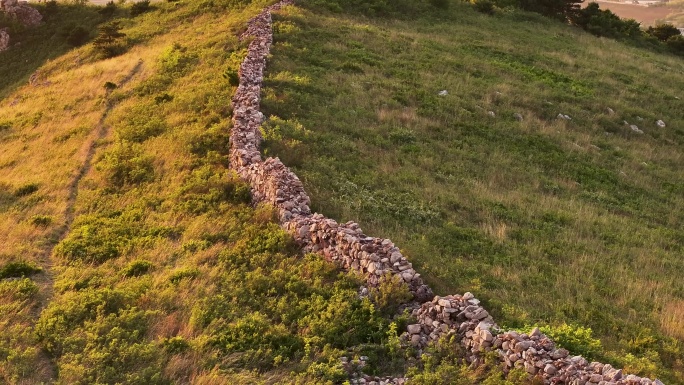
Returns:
<point x="273" y="183"/>
<point x="346" y="244"/>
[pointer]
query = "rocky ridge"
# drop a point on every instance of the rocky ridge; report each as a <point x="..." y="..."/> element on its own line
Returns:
<point x="437" y="317"/>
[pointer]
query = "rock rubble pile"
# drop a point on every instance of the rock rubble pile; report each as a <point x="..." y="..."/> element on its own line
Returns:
<point x="346" y="244"/>
<point x="536" y="353"/>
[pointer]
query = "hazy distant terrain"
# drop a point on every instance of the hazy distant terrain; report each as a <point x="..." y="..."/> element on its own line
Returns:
<point x="645" y="15"/>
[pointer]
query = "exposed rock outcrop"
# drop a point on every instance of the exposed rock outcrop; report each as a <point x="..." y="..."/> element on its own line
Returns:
<point x="437" y="317"/>
<point x="4" y="39"/>
<point x="21" y="11"/>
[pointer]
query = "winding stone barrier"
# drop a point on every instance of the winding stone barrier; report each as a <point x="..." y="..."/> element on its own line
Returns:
<point x="345" y="244"/>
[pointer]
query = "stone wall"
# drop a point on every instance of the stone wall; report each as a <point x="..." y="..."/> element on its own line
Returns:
<point x="273" y="183"/>
<point x="345" y="244"/>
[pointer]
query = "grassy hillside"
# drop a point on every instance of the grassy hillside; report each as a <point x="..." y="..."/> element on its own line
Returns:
<point x="571" y="223"/>
<point x="129" y="253"/>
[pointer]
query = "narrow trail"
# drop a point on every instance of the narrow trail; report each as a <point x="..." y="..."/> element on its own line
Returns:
<point x="101" y="132"/>
<point x="45" y="280"/>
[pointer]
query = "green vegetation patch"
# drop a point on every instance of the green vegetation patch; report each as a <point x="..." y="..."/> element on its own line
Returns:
<point x="18" y="270"/>
<point x="443" y="134"/>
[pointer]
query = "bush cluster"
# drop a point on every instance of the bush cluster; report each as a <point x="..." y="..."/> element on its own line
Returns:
<point x="603" y="22"/>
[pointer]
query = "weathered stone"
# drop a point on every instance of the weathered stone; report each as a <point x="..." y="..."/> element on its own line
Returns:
<point x="486" y="335"/>
<point x="22" y="12"/>
<point x="414" y="328"/>
<point x="559" y="353"/>
<point x="4" y="39"/>
<point x="550" y="369"/>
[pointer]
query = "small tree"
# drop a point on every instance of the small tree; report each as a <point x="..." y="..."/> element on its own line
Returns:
<point x="663" y="32"/>
<point x="110" y="40"/>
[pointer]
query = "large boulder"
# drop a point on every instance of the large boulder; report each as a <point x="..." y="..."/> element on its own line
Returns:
<point x="4" y="39"/>
<point x="21" y="11"/>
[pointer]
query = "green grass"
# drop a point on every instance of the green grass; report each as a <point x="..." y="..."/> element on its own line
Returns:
<point x="156" y="269"/>
<point x="547" y="220"/>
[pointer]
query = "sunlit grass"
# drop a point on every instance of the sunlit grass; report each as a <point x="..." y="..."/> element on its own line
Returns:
<point x="548" y="220"/>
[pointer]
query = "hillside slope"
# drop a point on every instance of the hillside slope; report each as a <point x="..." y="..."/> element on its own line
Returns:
<point x="442" y="132"/>
<point x="131" y="253"/>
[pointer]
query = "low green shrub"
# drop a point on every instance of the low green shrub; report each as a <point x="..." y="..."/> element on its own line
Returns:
<point x="676" y="44"/>
<point x="18" y="270"/>
<point x="137" y="268"/>
<point x="18" y="290"/>
<point x="41" y="220"/>
<point x="176" y="60"/>
<point x="97" y="239"/>
<point x="179" y="275"/>
<point x="390" y="294"/>
<point x="140" y="125"/>
<point x="205" y="190"/>
<point x="99" y="336"/>
<point x="577" y="339"/>
<point x="125" y="164"/>
<point x="232" y="76"/>
<point x="175" y="345"/>
<point x="562" y="10"/>
<point x="26" y="189"/>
